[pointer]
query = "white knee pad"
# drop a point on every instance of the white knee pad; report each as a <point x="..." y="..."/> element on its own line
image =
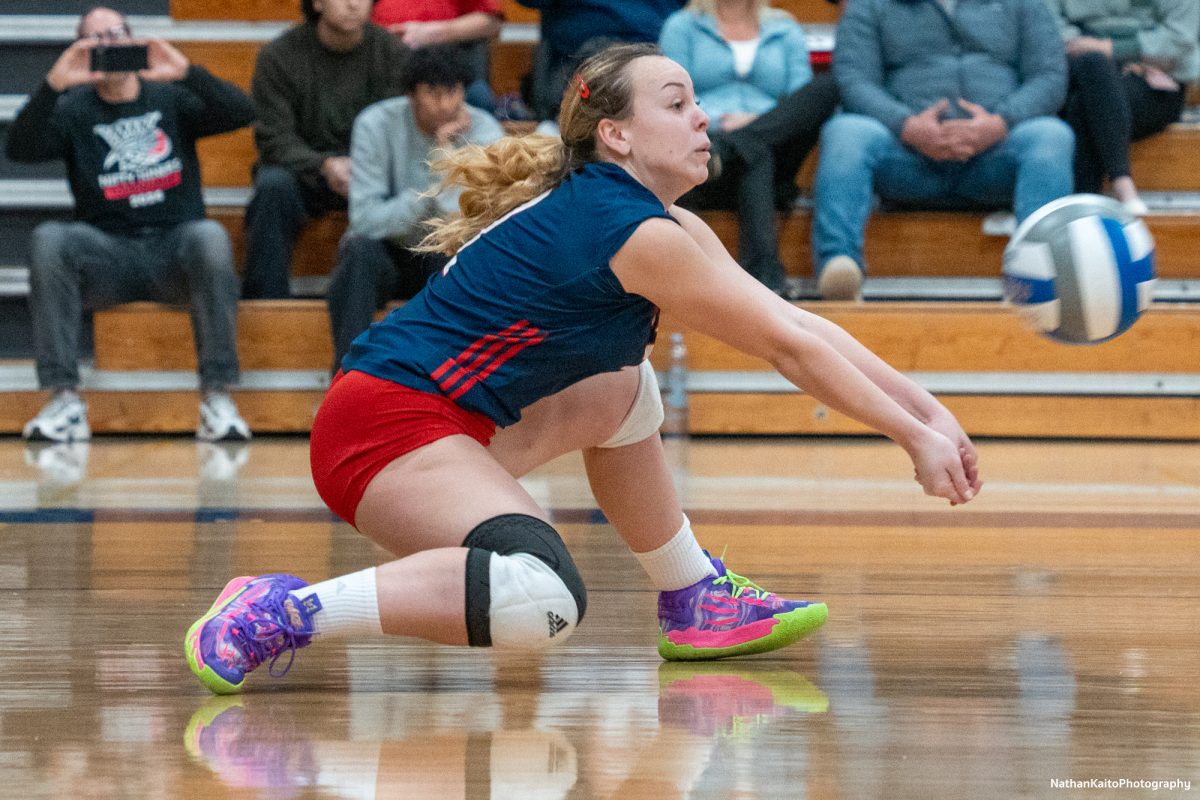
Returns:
<point x="531" y="607"/>
<point x="645" y="416"/>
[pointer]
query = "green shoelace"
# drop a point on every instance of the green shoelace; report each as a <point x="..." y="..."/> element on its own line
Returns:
<point x="740" y="583"/>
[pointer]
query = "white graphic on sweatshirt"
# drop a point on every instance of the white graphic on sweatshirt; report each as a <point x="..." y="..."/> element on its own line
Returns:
<point x="140" y="150"/>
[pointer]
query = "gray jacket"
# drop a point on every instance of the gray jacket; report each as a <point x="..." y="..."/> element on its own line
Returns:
<point x="895" y="58"/>
<point x="1165" y="33"/>
<point x="390" y="181"/>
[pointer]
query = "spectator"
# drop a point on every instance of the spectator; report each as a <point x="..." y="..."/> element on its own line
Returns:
<point x="308" y="86"/>
<point x="573" y="29"/>
<point x="1128" y="64"/>
<point x="470" y="25"/>
<point x="140" y="232"/>
<point x="750" y="67"/>
<point x="393" y="193"/>
<point x="944" y="107"/>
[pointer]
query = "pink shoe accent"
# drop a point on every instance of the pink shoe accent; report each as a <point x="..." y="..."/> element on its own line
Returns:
<point x="739" y="635"/>
<point x="231" y="588"/>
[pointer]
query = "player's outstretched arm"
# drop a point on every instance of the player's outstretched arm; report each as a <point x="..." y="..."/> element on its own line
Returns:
<point x="911" y="396"/>
<point x="664" y="263"/>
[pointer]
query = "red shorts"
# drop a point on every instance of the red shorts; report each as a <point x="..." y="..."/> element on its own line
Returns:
<point x="365" y="423"/>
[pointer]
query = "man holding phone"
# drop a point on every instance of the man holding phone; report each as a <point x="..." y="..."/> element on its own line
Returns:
<point x="139" y="232"/>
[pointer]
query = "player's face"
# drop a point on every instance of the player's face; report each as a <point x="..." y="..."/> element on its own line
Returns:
<point x="668" y="131"/>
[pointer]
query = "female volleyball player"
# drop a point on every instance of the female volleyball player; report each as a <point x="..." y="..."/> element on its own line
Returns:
<point x="563" y="256"/>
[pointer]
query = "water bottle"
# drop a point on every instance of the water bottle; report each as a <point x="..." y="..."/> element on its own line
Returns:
<point x="676" y="405"/>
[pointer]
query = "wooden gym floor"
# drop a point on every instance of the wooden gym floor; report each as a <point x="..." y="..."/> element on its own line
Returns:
<point x="1046" y="632"/>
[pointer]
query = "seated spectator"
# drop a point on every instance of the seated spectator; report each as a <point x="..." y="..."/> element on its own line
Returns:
<point x="393" y="193"/>
<point x="470" y="25"/>
<point x="308" y="86"/>
<point x="140" y="232"/>
<point x="750" y="67"/>
<point x="1129" y="64"/>
<point x="940" y="109"/>
<point x="573" y="29"/>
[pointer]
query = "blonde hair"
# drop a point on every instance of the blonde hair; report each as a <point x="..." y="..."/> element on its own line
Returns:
<point x="512" y="171"/>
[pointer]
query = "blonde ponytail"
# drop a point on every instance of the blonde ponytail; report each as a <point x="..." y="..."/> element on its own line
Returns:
<point x="514" y="170"/>
<point x="496" y="179"/>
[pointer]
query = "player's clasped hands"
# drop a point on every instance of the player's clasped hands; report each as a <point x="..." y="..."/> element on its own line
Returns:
<point x="945" y="463"/>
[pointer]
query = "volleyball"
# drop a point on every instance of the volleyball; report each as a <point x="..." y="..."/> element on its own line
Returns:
<point x="1080" y="269"/>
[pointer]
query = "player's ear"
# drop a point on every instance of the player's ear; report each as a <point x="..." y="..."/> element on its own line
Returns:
<point x="613" y="135"/>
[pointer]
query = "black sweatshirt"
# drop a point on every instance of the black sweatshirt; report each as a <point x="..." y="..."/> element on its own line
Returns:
<point x="132" y="166"/>
<point x="307" y="95"/>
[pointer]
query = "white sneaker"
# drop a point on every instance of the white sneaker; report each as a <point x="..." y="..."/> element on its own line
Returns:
<point x="220" y="420"/>
<point x="60" y="462"/>
<point x="840" y="279"/>
<point x="220" y="461"/>
<point x="63" y="419"/>
<point x="1000" y="223"/>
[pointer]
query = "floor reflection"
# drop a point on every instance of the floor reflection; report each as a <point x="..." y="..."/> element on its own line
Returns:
<point x="983" y="654"/>
<point x="713" y="726"/>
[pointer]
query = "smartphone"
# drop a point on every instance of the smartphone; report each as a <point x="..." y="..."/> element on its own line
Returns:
<point x="119" y="58"/>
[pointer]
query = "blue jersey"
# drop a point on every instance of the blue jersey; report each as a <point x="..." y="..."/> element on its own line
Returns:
<point x="526" y="308"/>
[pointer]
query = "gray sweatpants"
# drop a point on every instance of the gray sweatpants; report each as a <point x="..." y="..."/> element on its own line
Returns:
<point x="75" y="265"/>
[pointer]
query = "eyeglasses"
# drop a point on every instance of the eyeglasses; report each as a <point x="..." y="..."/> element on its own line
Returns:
<point x="113" y="34"/>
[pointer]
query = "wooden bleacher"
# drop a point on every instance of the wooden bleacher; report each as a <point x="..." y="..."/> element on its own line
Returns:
<point x="946" y="340"/>
<point x="1164" y="163"/>
<point x="1043" y="385"/>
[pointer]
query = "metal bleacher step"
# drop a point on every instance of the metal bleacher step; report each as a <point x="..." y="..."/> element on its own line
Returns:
<point x="20" y="377"/>
<point x="1024" y="384"/>
<point x="73" y="8"/>
<point x="998" y="377"/>
<point x="54" y="193"/>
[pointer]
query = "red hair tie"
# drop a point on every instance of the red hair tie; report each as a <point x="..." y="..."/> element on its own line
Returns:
<point x="584" y="91"/>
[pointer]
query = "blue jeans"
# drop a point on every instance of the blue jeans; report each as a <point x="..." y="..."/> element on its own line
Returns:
<point x="76" y="266"/>
<point x="1028" y="169"/>
<point x="282" y="203"/>
<point x="369" y="273"/>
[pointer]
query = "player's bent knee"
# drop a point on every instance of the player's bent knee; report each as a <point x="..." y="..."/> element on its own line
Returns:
<point x="531" y="607"/>
<point x="645" y="416"/>
<point x="523" y="590"/>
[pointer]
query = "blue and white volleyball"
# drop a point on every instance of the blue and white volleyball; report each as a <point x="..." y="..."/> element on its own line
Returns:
<point x="1080" y="269"/>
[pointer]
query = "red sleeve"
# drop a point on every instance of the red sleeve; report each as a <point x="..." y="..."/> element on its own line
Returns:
<point x="486" y="6"/>
<point x="390" y="12"/>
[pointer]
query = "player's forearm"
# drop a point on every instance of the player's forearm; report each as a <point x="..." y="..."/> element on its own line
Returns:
<point x="816" y="366"/>
<point x="902" y="389"/>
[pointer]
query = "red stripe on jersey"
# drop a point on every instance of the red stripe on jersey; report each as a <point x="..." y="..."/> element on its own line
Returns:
<point x="462" y="357"/>
<point x="496" y="364"/>
<point x="483" y="358"/>
<point x="495" y="352"/>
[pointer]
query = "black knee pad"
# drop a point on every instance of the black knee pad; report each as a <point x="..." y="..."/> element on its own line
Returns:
<point x="506" y="535"/>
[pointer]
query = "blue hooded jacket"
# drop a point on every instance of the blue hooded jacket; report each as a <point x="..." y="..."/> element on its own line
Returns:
<point x="780" y="66"/>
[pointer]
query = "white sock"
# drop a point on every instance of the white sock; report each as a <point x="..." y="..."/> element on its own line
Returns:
<point x="678" y="563"/>
<point x="346" y="606"/>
